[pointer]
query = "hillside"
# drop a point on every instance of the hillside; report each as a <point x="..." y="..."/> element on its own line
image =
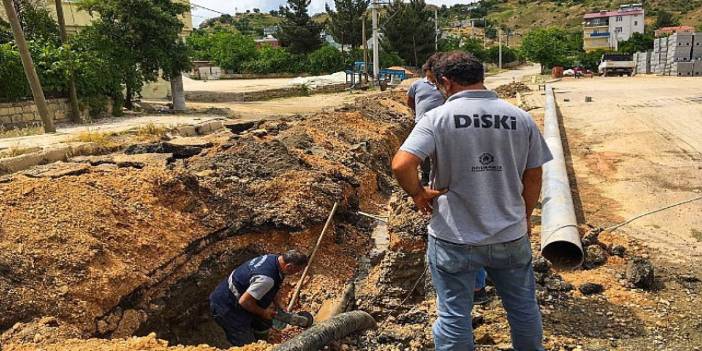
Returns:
<point x="251" y="24"/>
<point x="522" y="15"/>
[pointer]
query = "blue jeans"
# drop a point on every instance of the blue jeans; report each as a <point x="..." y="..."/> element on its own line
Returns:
<point x="453" y="272"/>
<point x="480" y="277"/>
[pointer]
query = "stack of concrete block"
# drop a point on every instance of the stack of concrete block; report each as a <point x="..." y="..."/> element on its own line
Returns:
<point x="679" y="55"/>
<point x="643" y="61"/>
<point x="697" y="54"/>
<point x="697" y="47"/>
<point x="660" y="55"/>
<point x="697" y="68"/>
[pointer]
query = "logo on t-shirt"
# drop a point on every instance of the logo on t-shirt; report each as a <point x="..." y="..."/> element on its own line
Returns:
<point x="486" y="160"/>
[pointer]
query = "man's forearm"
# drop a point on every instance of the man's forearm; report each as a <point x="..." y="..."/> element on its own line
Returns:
<point x="408" y="178"/>
<point x="250" y="305"/>
<point x="532" y="189"/>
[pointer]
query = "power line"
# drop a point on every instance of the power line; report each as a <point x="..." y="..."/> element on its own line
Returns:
<point x="195" y="5"/>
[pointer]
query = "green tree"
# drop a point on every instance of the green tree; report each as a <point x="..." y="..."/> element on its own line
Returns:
<point x="346" y="24"/>
<point x="36" y="20"/>
<point x="474" y="46"/>
<point x="275" y="60"/>
<point x="5" y="32"/>
<point x="589" y="60"/>
<point x="547" y="46"/>
<point x="637" y="42"/>
<point x="229" y="49"/>
<point x="409" y="31"/>
<point x="450" y="43"/>
<point x="326" y="59"/>
<point x="297" y="31"/>
<point x="140" y="37"/>
<point x="492" y="55"/>
<point x="666" y="19"/>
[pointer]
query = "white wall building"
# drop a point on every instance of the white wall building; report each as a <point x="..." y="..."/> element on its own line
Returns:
<point x="605" y="29"/>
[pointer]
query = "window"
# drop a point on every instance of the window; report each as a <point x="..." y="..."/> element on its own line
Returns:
<point x="619" y="18"/>
<point x="636" y="23"/>
<point x="618" y="30"/>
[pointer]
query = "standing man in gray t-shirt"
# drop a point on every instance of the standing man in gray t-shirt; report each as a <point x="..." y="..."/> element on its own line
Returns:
<point x="486" y="180"/>
<point x="422" y="97"/>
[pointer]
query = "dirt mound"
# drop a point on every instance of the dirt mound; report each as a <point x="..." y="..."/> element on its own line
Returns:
<point x="145" y="343"/>
<point x="510" y="90"/>
<point x="114" y="252"/>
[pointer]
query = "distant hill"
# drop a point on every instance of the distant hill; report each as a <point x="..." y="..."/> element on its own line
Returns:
<point x="524" y="15"/>
<point x="250" y="24"/>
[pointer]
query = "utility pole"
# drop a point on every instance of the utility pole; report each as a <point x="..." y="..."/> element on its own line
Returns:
<point x="436" y="30"/>
<point x="376" y="55"/>
<point x="72" y="94"/>
<point x="28" y="65"/>
<point x="484" y="34"/>
<point x="499" y="41"/>
<point x="365" y="48"/>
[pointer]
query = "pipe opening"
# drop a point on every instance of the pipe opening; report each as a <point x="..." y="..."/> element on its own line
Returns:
<point x="563" y="254"/>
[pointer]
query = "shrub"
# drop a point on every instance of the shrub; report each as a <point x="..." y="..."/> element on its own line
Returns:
<point x="326" y="59"/>
<point x="274" y="60"/>
<point x="229" y="50"/>
<point x="492" y="55"/>
<point x="388" y="59"/>
<point x="14" y="84"/>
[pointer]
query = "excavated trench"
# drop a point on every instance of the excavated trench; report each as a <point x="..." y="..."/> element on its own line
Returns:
<point x="265" y="189"/>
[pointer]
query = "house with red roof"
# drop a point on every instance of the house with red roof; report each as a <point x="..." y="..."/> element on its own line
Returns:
<point x="605" y="29"/>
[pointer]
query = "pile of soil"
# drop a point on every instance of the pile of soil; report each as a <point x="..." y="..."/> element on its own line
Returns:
<point x="115" y="251"/>
<point x="510" y="90"/>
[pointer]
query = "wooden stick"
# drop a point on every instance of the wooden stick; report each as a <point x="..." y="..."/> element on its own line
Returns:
<point x="296" y="293"/>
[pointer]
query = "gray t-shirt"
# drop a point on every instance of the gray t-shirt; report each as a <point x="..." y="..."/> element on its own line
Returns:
<point x="259" y="286"/>
<point x="426" y="97"/>
<point x="480" y="146"/>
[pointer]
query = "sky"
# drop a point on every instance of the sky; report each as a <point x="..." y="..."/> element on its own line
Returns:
<point x="232" y="6"/>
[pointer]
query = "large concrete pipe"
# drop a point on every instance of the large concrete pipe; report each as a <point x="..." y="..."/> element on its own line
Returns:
<point x="560" y="239"/>
<point x="337" y="327"/>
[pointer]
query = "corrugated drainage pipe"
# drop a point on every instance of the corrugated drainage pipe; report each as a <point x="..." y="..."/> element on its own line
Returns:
<point x="560" y="239"/>
<point x="337" y="327"/>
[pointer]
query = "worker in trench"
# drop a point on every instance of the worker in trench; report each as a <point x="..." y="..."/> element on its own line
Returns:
<point x="485" y="182"/>
<point x="422" y="97"/>
<point x="245" y="303"/>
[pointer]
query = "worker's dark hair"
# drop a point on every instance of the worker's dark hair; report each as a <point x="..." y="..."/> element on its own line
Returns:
<point x="459" y="66"/>
<point x="296" y="257"/>
<point x="427" y="66"/>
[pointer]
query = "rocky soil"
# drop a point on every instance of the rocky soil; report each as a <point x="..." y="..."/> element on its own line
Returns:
<point x="129" y="244"/>
<point x="119" y="252"/>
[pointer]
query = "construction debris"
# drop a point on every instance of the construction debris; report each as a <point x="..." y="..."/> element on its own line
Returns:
<point x="510" y="90"/>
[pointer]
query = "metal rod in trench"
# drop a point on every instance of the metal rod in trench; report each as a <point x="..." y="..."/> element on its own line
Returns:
<point x="296" y="293"/>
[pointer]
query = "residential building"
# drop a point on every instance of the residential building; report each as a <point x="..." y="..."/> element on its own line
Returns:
<point x="268" y="41"/>
<point x="606" y="29"/>
<point x="666" y="31"/>
<point x="77" y="19"/>
<point x="270" y="31"/>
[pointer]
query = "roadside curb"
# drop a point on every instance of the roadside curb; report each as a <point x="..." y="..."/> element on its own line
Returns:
<point x="64" y="151"/>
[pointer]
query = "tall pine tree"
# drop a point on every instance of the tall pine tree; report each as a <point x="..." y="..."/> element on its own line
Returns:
<point x="297" y="30"/>
<point x="409" y="31"/>
<point x="346" y="22"/>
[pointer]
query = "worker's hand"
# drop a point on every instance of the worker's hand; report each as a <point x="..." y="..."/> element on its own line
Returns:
<point x="424" y="198"/>
<point x="269" y="313"/>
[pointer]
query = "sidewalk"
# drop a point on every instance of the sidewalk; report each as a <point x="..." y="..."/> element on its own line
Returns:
<point x="67" y="132"/>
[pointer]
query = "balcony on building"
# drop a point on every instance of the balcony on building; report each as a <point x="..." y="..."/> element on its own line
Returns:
<point x="596" y="22"/>
<point x="599" y="35"/>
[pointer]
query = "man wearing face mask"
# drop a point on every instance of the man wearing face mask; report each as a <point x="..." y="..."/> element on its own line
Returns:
<point x="422" y="97"/>
<point x="486" y="180"/>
